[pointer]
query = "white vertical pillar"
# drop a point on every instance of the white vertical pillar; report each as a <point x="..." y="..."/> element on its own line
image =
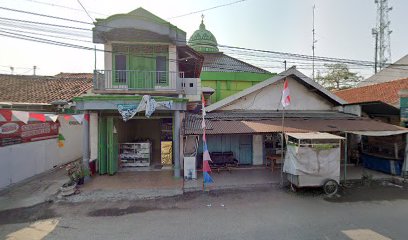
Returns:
<point x="108" y="56"/>
<point x="93" y="135"/>
<point x="405" y="164"/>
<point x="257" y="149"/>
<point x="176" y="143"/>
<point x="85" y="142"/>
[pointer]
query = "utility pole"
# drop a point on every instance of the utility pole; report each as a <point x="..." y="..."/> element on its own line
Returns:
<point x="375" y="34"/>
<point x="12" y="70"/>
<point x="313" y="45"/>
<point x="34" y="68"/>
<point x="382" y="33"/>
<point x="284" y="62"/>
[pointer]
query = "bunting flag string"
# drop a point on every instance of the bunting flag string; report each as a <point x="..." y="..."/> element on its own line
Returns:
<point x="53" y="117"/>
<point x="23" y="116"/>
<point x="79" y="118"/>
<point x="38" y="116"/>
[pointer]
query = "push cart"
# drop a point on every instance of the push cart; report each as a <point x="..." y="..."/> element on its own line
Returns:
<point x="313" y="160"/>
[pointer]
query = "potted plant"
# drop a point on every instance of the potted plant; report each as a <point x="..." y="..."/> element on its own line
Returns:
<point x="81" y="174"/>
<point x="69" y="187"/>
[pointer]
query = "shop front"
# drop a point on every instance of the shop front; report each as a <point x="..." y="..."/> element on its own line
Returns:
<point x="136" y="144"/>
<point x="134" y="139"/>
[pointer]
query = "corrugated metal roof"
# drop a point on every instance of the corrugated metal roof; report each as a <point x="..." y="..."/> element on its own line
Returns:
<point x="219" y="62"/>
<point x="294" y="124"/>
<point x="258" y="115"/>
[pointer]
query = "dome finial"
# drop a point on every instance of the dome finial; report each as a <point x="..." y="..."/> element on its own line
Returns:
<point x="202" y="26"/>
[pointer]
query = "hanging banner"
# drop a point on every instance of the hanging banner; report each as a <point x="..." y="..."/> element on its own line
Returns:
<point x="127" y="111"/>
<point x="18" y="132"/>
<point x="151" y="105"/>
<point x="147" y="104"/>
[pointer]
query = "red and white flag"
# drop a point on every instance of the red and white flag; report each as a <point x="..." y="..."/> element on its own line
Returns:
<point x="285" y="94"/>
<point x="203" y="111"/>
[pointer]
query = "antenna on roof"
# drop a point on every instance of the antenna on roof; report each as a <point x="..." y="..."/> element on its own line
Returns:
<point x="34" y="68"/>
<point x="313" y="45"/>
<point x="12" y="70"/>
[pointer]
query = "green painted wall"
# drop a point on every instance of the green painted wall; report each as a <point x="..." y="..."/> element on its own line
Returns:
<point x="228" y="83"/>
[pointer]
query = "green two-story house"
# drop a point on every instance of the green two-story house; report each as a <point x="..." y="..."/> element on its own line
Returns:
<point x="147" y="65"/>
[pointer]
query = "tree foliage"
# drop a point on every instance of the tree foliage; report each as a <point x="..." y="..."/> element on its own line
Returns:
<point x="338" y="77"/>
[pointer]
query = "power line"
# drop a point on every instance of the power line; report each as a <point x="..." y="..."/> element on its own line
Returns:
<point x="42" y="23"/>
<point x="245" y="50"/>
<point x="63" y="6"/>
<point x="44" y="15"/>
<point x="47" y="35"/>
<point x="207" y="9"/>
<point x="92" y="20"/>
<point x="39" y="28"/>
<point x="324" y="59"/>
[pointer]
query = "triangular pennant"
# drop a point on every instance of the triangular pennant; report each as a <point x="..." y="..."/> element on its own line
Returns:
<point x="53" y="117"/>
<point x="38" y="116"/>
<point x="206" y="156"/>
<point x="79" y="118"/>
<point x="86" y="117"/>
<point x="6" y="114"/>
<point x="67" y="117"/>
<point x="206" y="166"/>
<point x="205" y="148"/>
<point x="21" y="116"/>
<point x="203" y="105"/>
<point x="207" y="178"/>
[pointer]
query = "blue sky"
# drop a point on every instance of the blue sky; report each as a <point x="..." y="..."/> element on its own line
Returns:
<point x="343" y="29"/>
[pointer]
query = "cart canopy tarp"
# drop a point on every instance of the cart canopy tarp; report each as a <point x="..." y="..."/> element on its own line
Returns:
<point x="315" y="135"/>
<point x="312" y="161"/>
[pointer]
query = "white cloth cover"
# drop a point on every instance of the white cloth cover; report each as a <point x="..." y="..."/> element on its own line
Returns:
<point x="147" y="103"/>
<point x="311" y="161"/>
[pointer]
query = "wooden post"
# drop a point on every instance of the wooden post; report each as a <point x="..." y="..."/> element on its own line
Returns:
<point x="345" y="158"/>
<point x="282" y="140"/>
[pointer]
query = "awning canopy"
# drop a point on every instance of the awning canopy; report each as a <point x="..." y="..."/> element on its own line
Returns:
<point x="315" y="136"/>
<point x="378" y="133"/>
<point x="229" y="124"/>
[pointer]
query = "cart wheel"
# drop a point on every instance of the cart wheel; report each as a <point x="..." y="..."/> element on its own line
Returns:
<point x="330" y="187"/>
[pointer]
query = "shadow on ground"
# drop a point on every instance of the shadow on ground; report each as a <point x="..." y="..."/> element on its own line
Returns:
<point x="375" y="191"/>
<point x="28" y="214"/>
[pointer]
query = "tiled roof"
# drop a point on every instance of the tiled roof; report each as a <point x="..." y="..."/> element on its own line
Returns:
<point x="320" y="122"/>
<point x="41" y="89"/>
<point x="219" y="62"/>
<point x="75" y="75"/>
<point x="385" y="92"/>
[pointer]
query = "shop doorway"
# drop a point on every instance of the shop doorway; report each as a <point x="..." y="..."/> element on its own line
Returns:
<point x="138" y="144"/>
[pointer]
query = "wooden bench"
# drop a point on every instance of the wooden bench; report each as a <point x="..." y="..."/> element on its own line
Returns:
<point x="223" y="160"/>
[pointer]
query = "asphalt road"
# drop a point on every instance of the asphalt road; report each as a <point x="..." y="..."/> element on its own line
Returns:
<point x="376" y="212"/>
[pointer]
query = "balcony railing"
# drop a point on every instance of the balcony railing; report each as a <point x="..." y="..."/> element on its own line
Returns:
<point x="139" y="80"/>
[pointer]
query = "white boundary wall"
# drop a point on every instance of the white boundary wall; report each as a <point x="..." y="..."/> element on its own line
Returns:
<point x="21" y="161"/>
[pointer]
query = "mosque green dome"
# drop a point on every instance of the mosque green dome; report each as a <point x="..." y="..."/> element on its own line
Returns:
<point x="203" y="40"/>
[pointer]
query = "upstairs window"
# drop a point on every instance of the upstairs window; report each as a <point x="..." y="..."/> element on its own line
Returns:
<point x="161" y="70"/>
<point x="120" y="68"/>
